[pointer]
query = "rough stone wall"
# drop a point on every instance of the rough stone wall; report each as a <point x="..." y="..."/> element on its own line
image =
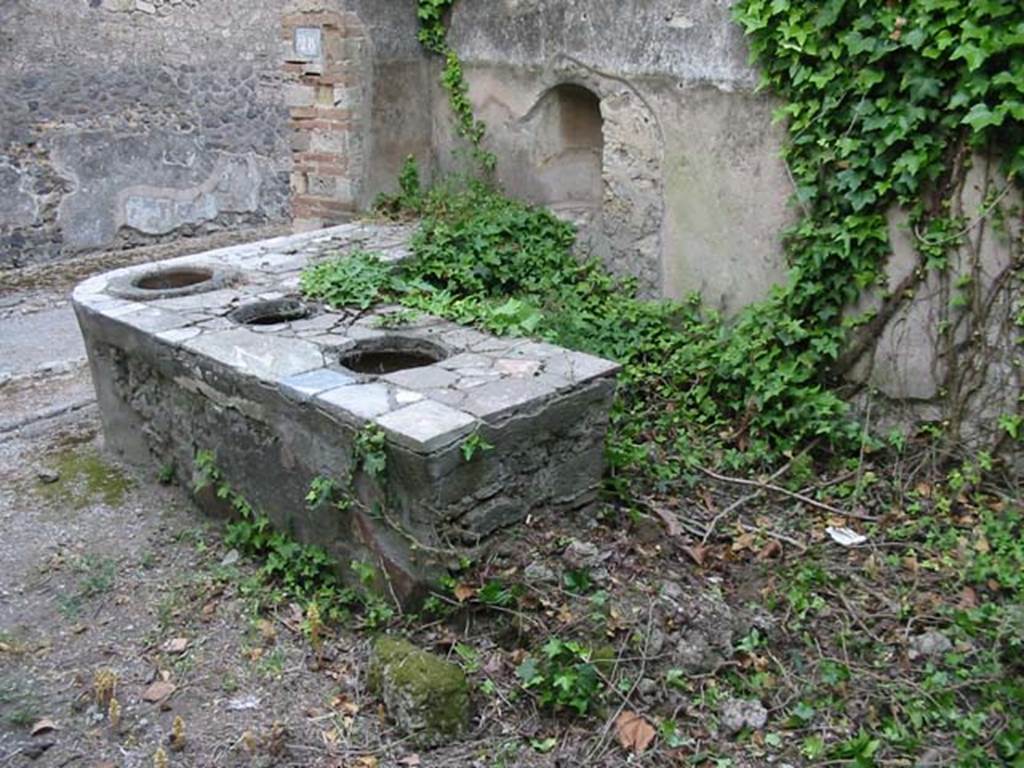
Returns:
<point x="124" y="122"/>
<point x="947" y="347"/>
<point x="694" y="194"/>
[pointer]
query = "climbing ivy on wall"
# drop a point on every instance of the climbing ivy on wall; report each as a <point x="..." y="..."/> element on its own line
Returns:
<point x="885" y="103"/>
<point x="433" y="36"/>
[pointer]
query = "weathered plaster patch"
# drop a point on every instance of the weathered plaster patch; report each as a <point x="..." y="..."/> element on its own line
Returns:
<point x="18" y="207"/>
<point x="233" y="187"/>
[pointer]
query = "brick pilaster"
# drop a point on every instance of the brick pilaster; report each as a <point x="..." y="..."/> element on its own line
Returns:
<point x="325" y="95"/>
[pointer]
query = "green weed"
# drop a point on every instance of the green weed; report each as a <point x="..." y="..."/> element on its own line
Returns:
<point x="563" y="675"/>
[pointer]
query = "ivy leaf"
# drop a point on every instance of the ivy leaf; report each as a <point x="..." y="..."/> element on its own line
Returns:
<point x="528" y="672"/>
<point x="970" y="53"/>
<point x="1016" y="168"/>
<point x="915" y="38"/>
<point x="981" y="117"/>
<point x="856" y="43"/>
<point x="862" y="199"/>
<point x="943" y="40"/>
<point x="1014" y="108"/>
<point x="374" y="464"/>
<point x="829" y="13"/>
<point x="868" y="77"/>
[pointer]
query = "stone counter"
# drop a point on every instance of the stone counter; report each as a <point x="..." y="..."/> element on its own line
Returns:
<point x="218" y="352"/>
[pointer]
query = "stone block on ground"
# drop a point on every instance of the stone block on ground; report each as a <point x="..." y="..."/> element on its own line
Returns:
<point x="426" y="696"/>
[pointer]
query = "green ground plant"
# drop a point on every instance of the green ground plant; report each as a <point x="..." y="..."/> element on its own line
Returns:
<point x="563" y="676"/>
<point x="474" y="445"/>
<point x="304" y="573"/>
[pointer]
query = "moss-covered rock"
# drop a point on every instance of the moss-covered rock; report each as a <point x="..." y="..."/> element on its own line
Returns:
<point x="426" y="696"/>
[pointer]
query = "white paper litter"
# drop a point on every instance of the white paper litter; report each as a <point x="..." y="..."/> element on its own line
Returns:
<point x="243" y="703"/>
<point x="844" y="537"/>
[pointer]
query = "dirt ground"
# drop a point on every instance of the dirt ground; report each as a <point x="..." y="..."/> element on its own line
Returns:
<point x="105" y="569"/>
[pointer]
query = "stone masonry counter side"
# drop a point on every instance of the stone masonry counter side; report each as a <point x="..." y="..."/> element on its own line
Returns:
<point x="280" y="389"/>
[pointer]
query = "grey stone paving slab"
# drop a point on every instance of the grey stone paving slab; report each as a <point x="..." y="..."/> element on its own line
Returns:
<point x="467" y="360"/>
<point x="428" y="426"/>
<point x="29" y="342"/>
<point x="152" y="320"/>
<point x="518" y="368"/>
<point x="317" y="324"/>
<point x="364" y="401"/>
<point x="429" y="377"/>
<point x="222" y="301"/>
<point x="501" y="398"/>
<point x="586" y="367"/>
<point x="407" y="397"/>
<point x="178" y="335"/>
<point x="306" y="385"/>
<point x="266" y="357"/>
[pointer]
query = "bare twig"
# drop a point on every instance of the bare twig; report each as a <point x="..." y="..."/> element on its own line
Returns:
<point x="500" y="609"/>
<point x="966" y="230"/>
<point x="726" y="512"/>
<point x="785" y="492"/>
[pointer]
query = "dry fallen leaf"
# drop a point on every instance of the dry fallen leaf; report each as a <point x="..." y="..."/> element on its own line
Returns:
<point x="368" y="761"/>
<point x="177" y="645"/>
<point x="697" y="554"/>
<point x="968" y="599"/>
<point x="772" y="549"/>
<point x="671" y="522"/>
<point x="250" y="742"/>
<point x="267" y="632"/>
<point x="275" y="739"/>
<point x="343" y="704"/>
<point x="464" y="592"/>
<point x="410" y="760"/>
<point x="159" y="691"/>
<point x="744" y="541"/>
<point x="331" y="737"/>
<point x="44" y="726"/>
<point x="634" y="733"/>
<point x="707" y="500"/>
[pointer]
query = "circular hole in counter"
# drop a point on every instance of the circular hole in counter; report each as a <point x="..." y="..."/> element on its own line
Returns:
<point x="271" y="312"/>
<point x="171" y="282"/>
<point x="173" y="279"/>
<point x="390" y="354"/>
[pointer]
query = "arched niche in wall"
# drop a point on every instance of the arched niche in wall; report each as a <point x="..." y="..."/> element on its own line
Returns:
<point x="568" y="151"/>
<point x="592" y="149"/>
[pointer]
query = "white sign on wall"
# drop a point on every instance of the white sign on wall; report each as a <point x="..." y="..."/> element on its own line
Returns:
<point x="308" y="42"/>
